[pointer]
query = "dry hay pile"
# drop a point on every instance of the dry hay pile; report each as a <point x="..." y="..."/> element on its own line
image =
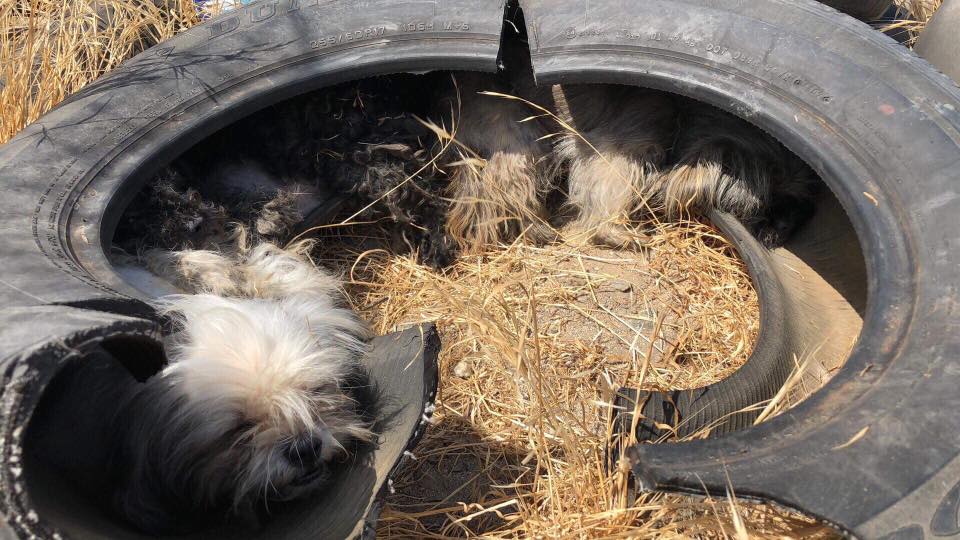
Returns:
<point x="50" y="49"/>
<point x="535" y="338"/>
<point x="535" y="341"/>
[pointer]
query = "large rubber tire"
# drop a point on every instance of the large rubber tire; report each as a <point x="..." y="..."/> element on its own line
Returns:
<point x="67" y="178"/>
<point x="876" y="451"/>
<point x="889" y="118"/>
<point x="938" y="43"/>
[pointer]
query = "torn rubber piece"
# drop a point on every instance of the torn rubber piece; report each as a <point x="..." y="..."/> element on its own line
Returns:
<point x="37" y="342"/>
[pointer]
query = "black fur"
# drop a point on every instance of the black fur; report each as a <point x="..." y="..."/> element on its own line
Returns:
<point x="763" y="184"/>
<point x="360" y="139"/>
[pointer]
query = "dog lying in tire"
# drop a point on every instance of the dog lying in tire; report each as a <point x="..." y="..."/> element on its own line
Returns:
<point x="622" y="151"/>
<point x="263" y="392"/>
<point x="263" y="395"/>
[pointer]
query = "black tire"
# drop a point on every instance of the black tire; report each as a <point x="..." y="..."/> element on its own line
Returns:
<point x="867" y="10"/>
<point x="67" y="177"/>
<point x="938" y="43"/>
<point x="876" y="450"/>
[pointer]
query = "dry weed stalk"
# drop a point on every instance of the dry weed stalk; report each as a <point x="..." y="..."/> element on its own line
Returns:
<point x="916" y="15"/>
<point x="50" y="49"/>
<point x="921" y="10"/>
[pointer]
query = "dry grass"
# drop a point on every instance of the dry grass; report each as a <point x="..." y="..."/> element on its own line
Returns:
<point x="49" y="49"/>
<point x="920" y="10"/>
<point x="535" y="338"/>
<point x="916" y="15"/>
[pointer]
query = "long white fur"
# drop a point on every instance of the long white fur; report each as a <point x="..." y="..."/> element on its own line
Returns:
<point x="260" y="362"/>
<point x="276" y="363"/>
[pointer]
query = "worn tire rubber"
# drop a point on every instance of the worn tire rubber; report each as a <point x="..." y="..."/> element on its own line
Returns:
<point x="67" y="177"/>
<point x="938" y="43"/>
<point x="876" y="451"/>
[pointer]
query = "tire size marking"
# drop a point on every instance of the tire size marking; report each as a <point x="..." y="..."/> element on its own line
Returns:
<point x="417" y="26"/>
<point x="348" y="37"/>
<point x="258" y="13"/>
<point x="373" y="32"/>
<point x="574" y="32"/>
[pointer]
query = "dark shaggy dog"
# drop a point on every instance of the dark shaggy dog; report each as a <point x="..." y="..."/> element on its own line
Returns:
<point x="721" y="161"/>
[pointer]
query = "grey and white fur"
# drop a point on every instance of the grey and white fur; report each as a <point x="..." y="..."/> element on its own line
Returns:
<point x="497" y="170"/>
<point x="625" y="150"/>
<point x="613" y="156"/>
<point x="720" y="161"/>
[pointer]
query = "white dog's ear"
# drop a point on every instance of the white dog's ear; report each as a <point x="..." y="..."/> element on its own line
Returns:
<point x="141" y="504"/>
<point x="151" y="490"/>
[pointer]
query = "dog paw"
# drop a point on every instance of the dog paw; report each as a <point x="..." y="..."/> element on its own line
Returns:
<point x="772" y="235"/>
<point x="782" y="221"/>
<point x="608" y="234"/>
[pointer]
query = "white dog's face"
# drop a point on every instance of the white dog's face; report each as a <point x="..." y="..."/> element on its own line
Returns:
<point x="259" y="399"/>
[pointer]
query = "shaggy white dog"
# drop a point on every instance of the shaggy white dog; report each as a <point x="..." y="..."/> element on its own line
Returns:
<point x="262" y="393"/>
